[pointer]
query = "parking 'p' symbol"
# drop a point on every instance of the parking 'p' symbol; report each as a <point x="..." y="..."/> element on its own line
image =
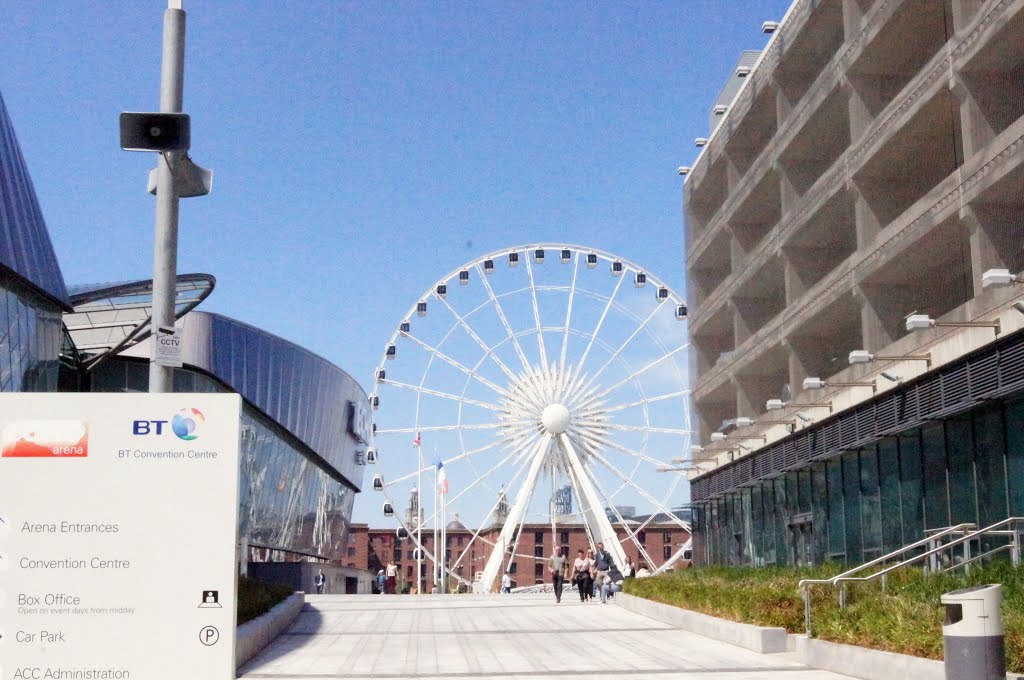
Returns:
<point x="209" y="636"/>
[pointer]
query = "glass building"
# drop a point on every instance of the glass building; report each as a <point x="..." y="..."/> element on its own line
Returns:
<point x="32" y="292"/>
<point x="304" y="422"/>
<point x="945" y="449"/>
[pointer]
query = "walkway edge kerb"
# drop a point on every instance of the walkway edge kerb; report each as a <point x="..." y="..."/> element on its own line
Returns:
<point x="849" y="660"/>
<point x="759" y="639"/>
<point x="253" y="636"/>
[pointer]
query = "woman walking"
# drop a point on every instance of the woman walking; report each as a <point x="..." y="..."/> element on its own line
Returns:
<point x="591" y="574"/>
<point x="581" y="574"/>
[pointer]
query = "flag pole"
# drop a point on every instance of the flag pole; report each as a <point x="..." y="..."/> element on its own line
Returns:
<point x="434" y="523"/>
<point x="419" y="519"/>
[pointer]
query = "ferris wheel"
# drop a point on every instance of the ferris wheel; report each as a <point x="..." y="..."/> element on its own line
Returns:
<point x="544" y="384"/>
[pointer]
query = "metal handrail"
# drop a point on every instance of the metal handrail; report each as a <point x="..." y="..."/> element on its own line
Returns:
<point x="847" y="576"/>
<point x="888" y="556"/>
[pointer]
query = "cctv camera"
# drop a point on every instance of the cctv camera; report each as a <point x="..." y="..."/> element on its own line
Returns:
<point x="890" y="376"/>
<point x="1019" y="306"/>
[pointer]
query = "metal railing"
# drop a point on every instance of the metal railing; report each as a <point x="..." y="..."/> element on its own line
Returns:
<point x="935" y="544"/>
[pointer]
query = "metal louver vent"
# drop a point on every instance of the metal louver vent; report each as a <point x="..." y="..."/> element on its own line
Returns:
<point x="994" y="371"/>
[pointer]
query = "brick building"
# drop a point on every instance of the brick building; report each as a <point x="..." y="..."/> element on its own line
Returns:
<point x="371" y="549"/>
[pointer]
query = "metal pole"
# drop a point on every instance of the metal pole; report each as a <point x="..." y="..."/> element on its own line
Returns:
<point x="444" y="542"/>
<point x="435" y="572"/>
<point x="165" y="242"/>
<point x="420" y="585"/>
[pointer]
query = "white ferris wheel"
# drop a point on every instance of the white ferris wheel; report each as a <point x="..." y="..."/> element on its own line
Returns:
<point x="550" y="381"/>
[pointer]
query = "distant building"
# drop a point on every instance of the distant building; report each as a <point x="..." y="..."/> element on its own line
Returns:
<point x="371" y="549"/>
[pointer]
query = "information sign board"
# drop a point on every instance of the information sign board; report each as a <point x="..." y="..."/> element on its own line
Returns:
<point x="119" y="526"/>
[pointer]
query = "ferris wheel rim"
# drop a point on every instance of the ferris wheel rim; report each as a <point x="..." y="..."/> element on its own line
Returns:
<point x="435" y="292"/>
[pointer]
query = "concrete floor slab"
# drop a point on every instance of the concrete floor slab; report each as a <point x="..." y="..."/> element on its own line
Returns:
<point x="498" y="637"/>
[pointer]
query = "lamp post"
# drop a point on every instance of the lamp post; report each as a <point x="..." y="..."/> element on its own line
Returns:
<point x="175" y="176"/>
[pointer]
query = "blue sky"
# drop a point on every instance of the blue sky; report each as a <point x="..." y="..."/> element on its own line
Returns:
<point x="363" y="150"/>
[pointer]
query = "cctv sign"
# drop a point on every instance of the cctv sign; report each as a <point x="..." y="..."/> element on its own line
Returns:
<point x="168" y="347"/>
<point x="118" y="531"/>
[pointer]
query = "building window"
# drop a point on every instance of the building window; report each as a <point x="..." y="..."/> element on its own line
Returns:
<point x="565" y="551"/>
<point x="513" y="568"/>
<point x="458" y="540"/>
<point x="641" y="536"/>
<point x="410" y="555"/>
<point x="565" y="539"/>
<point x="351" y="552"/>
<point x="666" y="538"/>
<point x="538" y="537"/>
<point x="538" y="551"/>
<point x="666" y="552"/>
<point x="408" y="572"/>
<point x="538" y="570"/>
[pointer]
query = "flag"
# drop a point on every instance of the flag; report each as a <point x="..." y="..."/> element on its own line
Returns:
<point x="442" y="477"/>
<point x="416" y="442"/>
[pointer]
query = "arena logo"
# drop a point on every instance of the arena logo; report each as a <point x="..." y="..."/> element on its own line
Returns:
<point x="185" y="424"/>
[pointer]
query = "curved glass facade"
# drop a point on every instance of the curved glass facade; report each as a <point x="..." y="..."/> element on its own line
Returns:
<point x="288" y="501"/>
<point x="30" y="339"/>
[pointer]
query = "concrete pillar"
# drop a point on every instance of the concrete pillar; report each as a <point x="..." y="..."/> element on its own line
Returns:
<point x="867" y="222"/>
<point x="985" y="244"/>
<point x="978" y="133"/>
<point x="794" y="283"/>
<point x="874" y="334"/>
<point x="797" y="372"/>
<point x="861" y="115"/>
<point x="853" y="17"/>
<point x="964" y="12"/>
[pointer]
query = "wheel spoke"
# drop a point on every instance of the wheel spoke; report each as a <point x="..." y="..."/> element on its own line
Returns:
<point x="504" y="319"/>
<point x="648" y="400"/>
<point x="452" y="362"/>
<point x="439" y="428"/>
<point x="617" y="352"/>
<point x="443" y="395"/>
<point x="488" y="352"/>
<point x="640" y="371"/>
<point x="536" y="312"/>
<point x="568" y="311"/>
<point x="600" y="322"/>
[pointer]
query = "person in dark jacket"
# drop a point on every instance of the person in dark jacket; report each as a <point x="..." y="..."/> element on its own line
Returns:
<point x="603" y="565"/>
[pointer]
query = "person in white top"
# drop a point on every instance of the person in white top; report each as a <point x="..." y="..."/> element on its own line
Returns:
<point x="391" y="575"/>
<point x="506" y="583"/>
<point x="581" y="575"/>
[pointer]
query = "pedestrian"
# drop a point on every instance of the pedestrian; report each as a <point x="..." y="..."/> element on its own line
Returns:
<point x="506" y="583"/>
<point x="320" y="581"/>
<point x="391" y="574"/>
<point x="380" y="581"/>
<point x="556" y="566"/>
<point x="591" y="575"/>
<point x="629" y="570"/>
<point x="603" y="565"/>
<point x="581" y="574"/>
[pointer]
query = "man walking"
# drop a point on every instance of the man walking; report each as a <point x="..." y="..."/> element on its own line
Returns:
<point x="321" y="580"/>
<point x="603" y="564"/>
<point x="557" y="567"/>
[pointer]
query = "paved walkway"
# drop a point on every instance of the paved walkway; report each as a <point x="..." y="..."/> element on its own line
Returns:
<point x="358" y="637"/>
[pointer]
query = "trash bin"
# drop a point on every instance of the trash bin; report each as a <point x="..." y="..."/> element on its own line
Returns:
<point x="973" y="634"/>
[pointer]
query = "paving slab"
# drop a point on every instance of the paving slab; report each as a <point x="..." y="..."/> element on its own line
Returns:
<point x="364" y="637"/>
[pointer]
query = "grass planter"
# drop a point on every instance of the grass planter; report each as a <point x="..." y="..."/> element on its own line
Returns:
<point x="905" y="619"/>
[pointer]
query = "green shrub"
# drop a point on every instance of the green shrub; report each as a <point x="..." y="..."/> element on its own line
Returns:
<point x="256" y="598"/>
<point x="906" y="618"/>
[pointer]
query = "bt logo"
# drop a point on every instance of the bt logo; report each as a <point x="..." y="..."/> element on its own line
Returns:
<point x="185" y="424"/>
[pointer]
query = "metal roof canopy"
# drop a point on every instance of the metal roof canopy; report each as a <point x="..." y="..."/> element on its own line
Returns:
<point x="110" y="317"/>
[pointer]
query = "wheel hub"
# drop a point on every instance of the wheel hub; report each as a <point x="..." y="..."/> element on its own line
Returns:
<point x="555" y="419"/>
